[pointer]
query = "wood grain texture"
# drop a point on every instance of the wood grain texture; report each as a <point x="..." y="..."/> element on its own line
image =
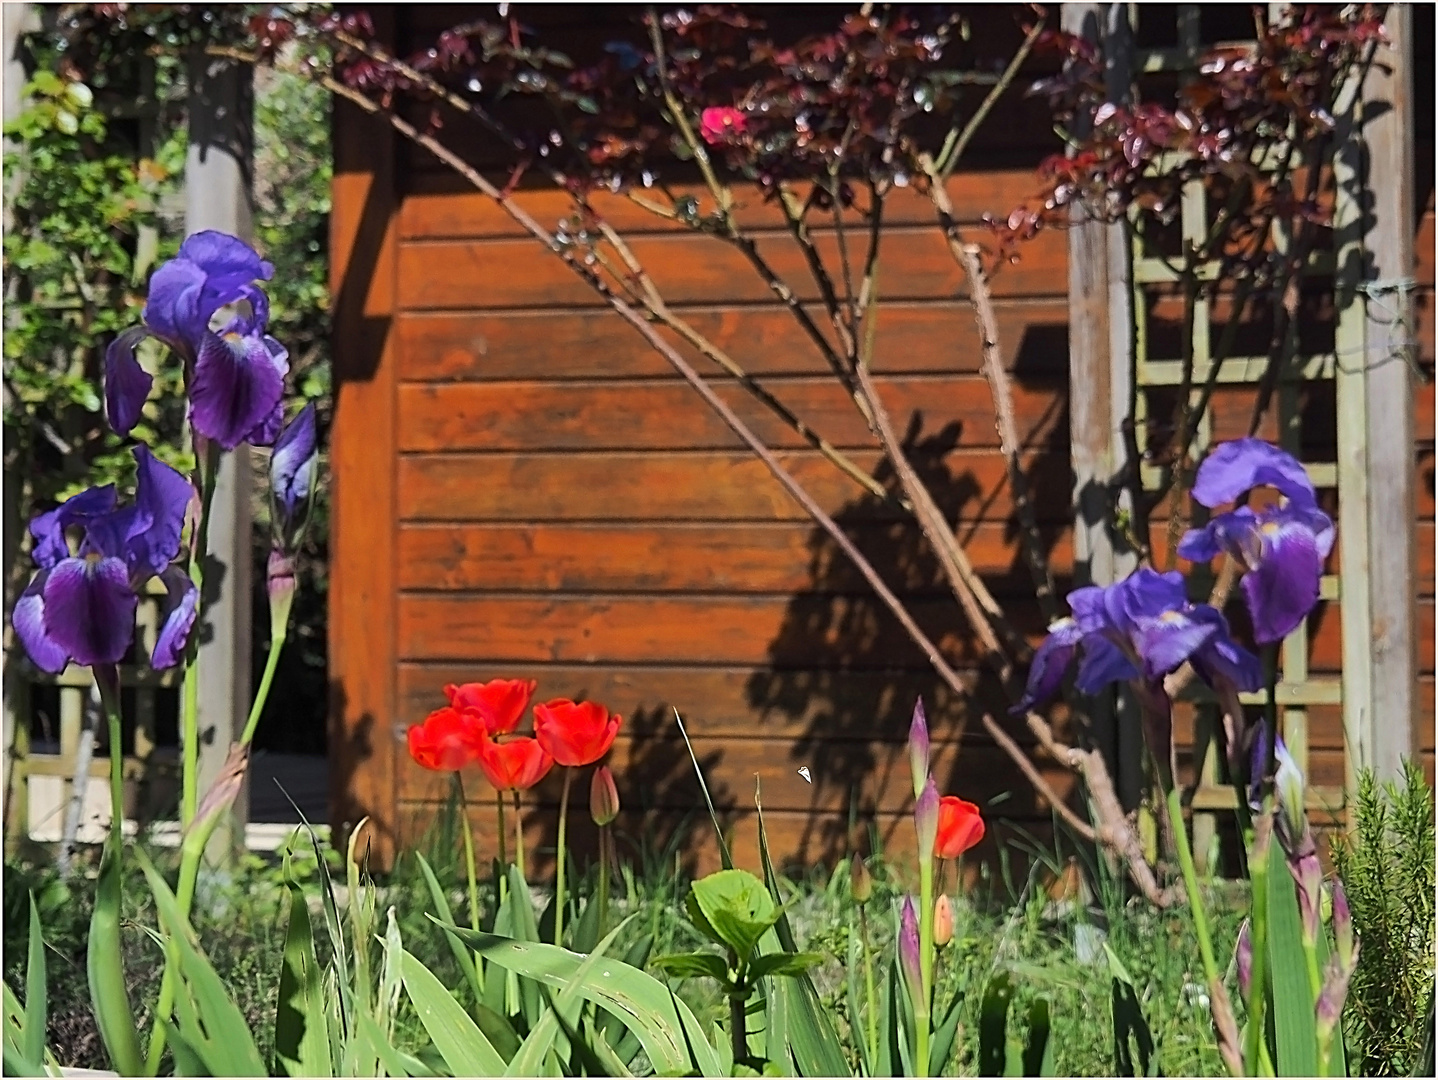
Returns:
<point x="490" y="274"/>
<point x="668" y="414"/>
<point x="362" y="590"/>
<point x="440" y="210"/>
<point x="766" y="340"/>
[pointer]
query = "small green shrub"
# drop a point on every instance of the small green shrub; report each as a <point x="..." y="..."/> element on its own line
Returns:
<point x="1387" y="867"/>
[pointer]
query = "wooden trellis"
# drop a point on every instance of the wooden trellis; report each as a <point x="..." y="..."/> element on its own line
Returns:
<point x="150" y="769"/>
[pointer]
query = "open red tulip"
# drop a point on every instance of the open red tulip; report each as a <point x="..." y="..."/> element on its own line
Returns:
<point x="446" y="741"/>
<point x="500" y="702"/>
<point x="575" y="734"/>
<point x="516" y="764"/>
<point x="960" y="827"/>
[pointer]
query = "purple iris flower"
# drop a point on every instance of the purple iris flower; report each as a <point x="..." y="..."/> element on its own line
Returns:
<point x="1282" y="549"/>
<point x="235" y="376"/>
<point x="1138" y="630"/>
<point x="81" y="607"/>
<point x="294" y="465"/>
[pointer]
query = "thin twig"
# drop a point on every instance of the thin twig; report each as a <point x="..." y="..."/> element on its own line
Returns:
<point x="950" y="155"/>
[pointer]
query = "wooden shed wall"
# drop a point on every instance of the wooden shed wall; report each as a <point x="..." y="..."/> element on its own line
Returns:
<point x="524" y="489"/>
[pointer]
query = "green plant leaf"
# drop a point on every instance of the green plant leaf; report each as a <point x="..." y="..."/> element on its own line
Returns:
<point x="458" y="1039"/>
<point x="787" y="964"/>
<point x="1038" y="1059"/>
<point x="993" y="1025"/>
<point x="564" y="1009"/>
<point x="694" y="965"/>
<point x="525" y="928"/>
<point x="106" y="966"/>
<point x="814" y="1043"/>
<point x="1295" y="1032"/>
<point x="669" y="1032"/>
<point x="302" y="1037"/>
<point x="725" y="859"/>
<point x="210" y="1021"/>
<point x="36" y="1009"/>
<point x="379" y="1046"/>
<point x="941" y="1042"/>
<point x="1130" y="1029"/>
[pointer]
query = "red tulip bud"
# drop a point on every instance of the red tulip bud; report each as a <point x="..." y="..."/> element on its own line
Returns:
<point x="603" y="797"/>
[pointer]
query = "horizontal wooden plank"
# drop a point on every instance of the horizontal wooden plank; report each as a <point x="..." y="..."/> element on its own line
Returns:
<point x="669" y="414"/>
<point x="520" y="273"/>
<point x="802" y="705"/>
<point x="460" y="213"/>
<point x="693" y="486"/>
<point x="765" y="340"/>
<point x="970" y="486"/>
<point x="657" y="774"/>
<point x="806" y="629"/>
<point x="741" y="558"/>
<point x="675" y="557"/>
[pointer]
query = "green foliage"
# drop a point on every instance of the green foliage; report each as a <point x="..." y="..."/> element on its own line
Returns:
<point x="84" y="234"/>
<point x="1387" y="869"/>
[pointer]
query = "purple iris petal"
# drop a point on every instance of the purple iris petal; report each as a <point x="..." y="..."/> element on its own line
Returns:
<point x="49" y="528"/>
<point x="90" y="609"/>
<point x="162" y="495"/>
<point x="1103" y="663"/>
<point x="236" y="387"/>
<point x="29" y="620"/>
<point x="268" y="430"/>
<point x="1282" y="589"/>
<point x="127" y="384"/>
<point x="293" y="463"/>
<point x="177" y="618"/>
<point x="212" y="269"/>
<point x="1167" y="641"/>
<point x="1088" y="609"/>
<point x="1258" y="765"/>
<point x="1050" y="662"/>
<point x="1234" y="467"/>
<point x="1221" y="662"/>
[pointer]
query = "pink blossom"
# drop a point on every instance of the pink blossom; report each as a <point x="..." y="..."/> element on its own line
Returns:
<point x="719" y="125"/>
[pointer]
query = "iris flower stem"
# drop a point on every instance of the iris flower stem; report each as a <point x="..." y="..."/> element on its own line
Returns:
<point x="869" y="990"/>
<point x="272" y="661"/>
<point x="1257" y="987"/>
<point x="926" y="927"/>
<point x="190" y="714"/>
<point x="1174" y="803"/>
<point x="559" y="870"/>
<point x="107" y="681"/>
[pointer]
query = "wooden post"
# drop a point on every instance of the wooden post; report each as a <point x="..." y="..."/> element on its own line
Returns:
<point x="1387" y="732"/>
<point x="1101" y="389"/>
<point x="217" y="196"/>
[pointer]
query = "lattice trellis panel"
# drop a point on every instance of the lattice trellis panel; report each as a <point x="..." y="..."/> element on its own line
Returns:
<point x="1156" y="376"/>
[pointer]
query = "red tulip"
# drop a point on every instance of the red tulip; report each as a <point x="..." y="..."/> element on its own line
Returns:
<point x="575" y="734"/>
<point x="515" y="764"/>
<point x="446" y="741"/>
<point x="500" y="703"/>
<point x="960" y="827"/>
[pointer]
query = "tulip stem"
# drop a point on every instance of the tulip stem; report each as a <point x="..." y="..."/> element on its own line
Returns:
<point x="559" y="870"/>
<point x="518" y="834"/>
<point x="604" y="842"/>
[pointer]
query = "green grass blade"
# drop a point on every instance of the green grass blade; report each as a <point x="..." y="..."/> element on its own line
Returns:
<point x="457" y="1038"/>
<point x="724" y="855"/>
<point x="608" y="1059"/>
<point x="462" y="956"/>
<point x="993" y="1025"/>
<point x="665" y="1026"/>
<point x="1294" y="1029"/>
<point x="302" y="1037"/>
<point x="106" y="966"/>
<point x="857" y="1027"/>
<point x="36" y="1009"/>
<point x="525" y="928"/>
<point x="379" y="1046"/>
<point x="210" y="1021"/>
